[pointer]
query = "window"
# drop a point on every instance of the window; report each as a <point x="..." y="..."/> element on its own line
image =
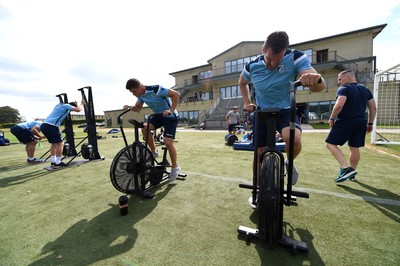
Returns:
<point x="308" y="53"/>
<point x="230" y="92"/>
<point x="320" y="110"/>
<point x="189" y="117"/>
<point x="237" y="65"/>
<point x="322" y="56"/>
<point x="228" y="68"/>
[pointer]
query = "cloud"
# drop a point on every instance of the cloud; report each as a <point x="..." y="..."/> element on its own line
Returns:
<point x="49" y="47"/>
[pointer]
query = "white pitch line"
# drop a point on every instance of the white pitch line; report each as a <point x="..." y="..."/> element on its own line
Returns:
<point x="322" y="192"/>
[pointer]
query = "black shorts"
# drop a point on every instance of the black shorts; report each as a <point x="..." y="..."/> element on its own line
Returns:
<point x="51" y="132"/>
<point x="282" y="121"/>
<point x="349" y="131"/>
<point x="231" y="127"/>
<point x="169" y="124"/>
<point x="23" y="135"/>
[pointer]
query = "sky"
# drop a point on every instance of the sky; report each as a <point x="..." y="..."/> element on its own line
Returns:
<point x="48" y="47"/>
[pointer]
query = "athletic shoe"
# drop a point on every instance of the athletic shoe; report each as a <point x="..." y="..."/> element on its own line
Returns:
<point x="155" y="154"/>
<point x="174" y="173"/>
<point x="345" y="174"/>
<point x="59" y="165"/>
<point x="34" y="160"/>
<point x="253" y="206"/>
<point x="295" y="173"/>
<point x="353" y="178"/>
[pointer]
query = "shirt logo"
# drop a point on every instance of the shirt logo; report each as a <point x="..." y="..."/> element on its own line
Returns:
<point x="281" y="68"/>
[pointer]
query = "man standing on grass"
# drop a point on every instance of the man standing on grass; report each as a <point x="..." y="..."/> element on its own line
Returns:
<point x="348" y="122"/>
<point x="232" y="120"/>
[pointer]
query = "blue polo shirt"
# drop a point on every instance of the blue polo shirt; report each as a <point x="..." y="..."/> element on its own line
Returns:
<point x="156" y="97"/>
<point x="58" y="114"/>
<point x="356" y="101"/>
<point x="272" y="87"/>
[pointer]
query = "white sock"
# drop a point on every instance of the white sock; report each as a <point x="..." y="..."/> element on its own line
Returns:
<point x="53" y="159"/>
<point x="58" y="160"/>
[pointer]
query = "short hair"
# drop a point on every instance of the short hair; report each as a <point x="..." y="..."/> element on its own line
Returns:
<point x="348" y="72"/>
<point x="75" y="104"/>
<point x="277" y="41"/>
<point x="132" y="83"/>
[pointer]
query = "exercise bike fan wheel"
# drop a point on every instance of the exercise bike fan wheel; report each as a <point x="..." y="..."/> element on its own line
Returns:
<point x="270" y="207"/>
<point x="128" y="164"/>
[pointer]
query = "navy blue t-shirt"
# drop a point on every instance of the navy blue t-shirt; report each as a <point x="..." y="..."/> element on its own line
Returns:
<point x="356" y="102"/>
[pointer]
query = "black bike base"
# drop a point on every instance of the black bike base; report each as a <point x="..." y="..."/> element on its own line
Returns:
<point x="294" y="245"/>
<point x="72" y="164"/>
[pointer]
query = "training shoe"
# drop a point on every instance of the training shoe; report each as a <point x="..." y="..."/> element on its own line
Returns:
<point x="174" y="173"/>
<point x="34" y="160"/>
<point x="295" y="174"/>
<point x="155" y="154"/>
<point x="59" y="165"/>
<point x="353" y="178"/>
<point x="345" y="174"/>
<point x="253" y="206"/>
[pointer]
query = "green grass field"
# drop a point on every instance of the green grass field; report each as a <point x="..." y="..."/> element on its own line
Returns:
<point x="71" y="216"/>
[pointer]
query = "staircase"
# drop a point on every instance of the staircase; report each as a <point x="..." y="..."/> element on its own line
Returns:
<point x="217" y="120"/>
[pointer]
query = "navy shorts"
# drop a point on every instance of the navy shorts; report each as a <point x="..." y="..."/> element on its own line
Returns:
<point x="349" y="131"/>
<point x="282" y="121"/>
<point x="169" y="124"/>
<point x="231" y="127"/>
<point x="23" y="135"/>
<point x="52" y="133"/>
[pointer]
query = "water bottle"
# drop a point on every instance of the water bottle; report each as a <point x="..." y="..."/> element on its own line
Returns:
<point x="123" y="205"/>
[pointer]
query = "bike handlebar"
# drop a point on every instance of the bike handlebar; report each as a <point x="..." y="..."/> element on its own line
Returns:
<point x="119" y="119"/>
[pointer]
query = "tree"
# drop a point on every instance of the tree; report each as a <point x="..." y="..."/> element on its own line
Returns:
<point x="9" y="115"/>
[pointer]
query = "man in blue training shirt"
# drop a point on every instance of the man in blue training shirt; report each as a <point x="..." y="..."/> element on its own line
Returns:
<point x="348" y="122"/>
<point x="51" y="129"/>
<point x="271" y="75"/>
<point x="28" y="134"/>
<point x="163" y="103"/>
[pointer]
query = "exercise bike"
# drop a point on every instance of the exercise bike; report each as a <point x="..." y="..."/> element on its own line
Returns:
<point x="135" y="169"/>
<point x="272" y="195"/>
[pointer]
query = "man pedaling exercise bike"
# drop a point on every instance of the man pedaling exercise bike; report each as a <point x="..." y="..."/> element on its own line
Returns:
<point x="271" y="74"/>
<point x="163" y="103"/>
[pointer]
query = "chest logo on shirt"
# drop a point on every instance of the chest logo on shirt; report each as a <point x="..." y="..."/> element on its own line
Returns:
<point x="281" y="68"/>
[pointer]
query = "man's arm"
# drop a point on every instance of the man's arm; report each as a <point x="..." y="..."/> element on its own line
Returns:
<point x="337" y="108"/>
<point x="35" y="132"/>
<point x="136" y="108"/>
<point x="310" y="77"/>
<point x="245" y="91"/>
<point x="79" y="107"/>
<point x="174" y="96"/>
<point x="371" y="105"/>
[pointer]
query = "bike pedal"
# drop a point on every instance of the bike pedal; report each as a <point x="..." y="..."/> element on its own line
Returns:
<point x="292" y="198"/>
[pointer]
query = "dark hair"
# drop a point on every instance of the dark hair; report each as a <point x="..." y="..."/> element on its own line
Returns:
<point x="277" y="41"/>
<point x="132" y="83"/>
<point x="75" y="104"/>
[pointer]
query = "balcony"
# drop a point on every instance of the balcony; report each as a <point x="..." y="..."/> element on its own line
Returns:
<point x="321" y="60"/>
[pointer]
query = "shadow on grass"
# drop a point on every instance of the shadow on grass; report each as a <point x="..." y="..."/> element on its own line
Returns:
<point x="22" y="178"/>
<point x="12" y="167"/>
<point x="107" y="235"/>
<point x="282" y="255"/>
<point x="383" y="200"/>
